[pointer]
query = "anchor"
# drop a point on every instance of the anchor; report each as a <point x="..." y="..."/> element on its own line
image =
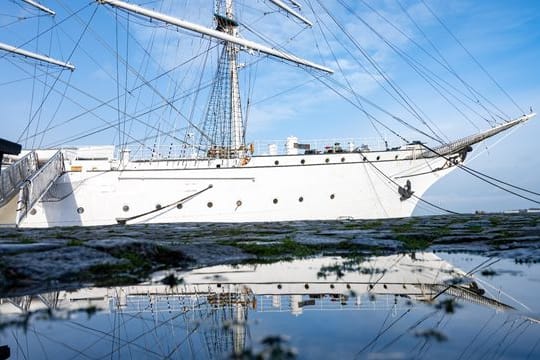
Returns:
<point x="405" y="191"/>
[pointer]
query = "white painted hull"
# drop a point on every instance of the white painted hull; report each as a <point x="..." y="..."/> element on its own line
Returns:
<point x="323" y="187"/>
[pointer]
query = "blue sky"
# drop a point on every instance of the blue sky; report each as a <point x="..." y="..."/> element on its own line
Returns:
<point x="503" y="36"/>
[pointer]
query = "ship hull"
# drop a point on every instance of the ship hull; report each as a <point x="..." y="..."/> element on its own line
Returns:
<point x="267" y="188"/>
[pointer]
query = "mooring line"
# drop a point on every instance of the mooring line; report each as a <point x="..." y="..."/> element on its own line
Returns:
<point x="123" y="221"/>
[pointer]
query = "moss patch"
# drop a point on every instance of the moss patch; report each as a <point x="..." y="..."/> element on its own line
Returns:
<point x="287" y="247"/>
<point x="495" y="220"/>
<point x="26" y="240"/>
<point x="475" y="228"/>
<point x="404" y="227"/>
<point x="364" y="225"/>
<point x="74" y="242"/>
<point x="138" y="261"/>
<point x="441" y="231"/>
<point x="415" y="242"/>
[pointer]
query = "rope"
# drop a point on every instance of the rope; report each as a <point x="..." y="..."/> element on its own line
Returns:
<point x="416" y="197"/>
<point x="58" y="77"/>
<point x="123" y="221"/>
<point x="485" y="178"/>
<point x="472" y="57"/>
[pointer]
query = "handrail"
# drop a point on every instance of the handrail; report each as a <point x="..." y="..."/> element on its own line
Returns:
<point x="14" y="175"/>
<point x="38" y="184"/>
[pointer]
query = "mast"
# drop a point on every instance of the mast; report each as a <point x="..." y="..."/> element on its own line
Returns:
<point x="29" y="54"/>
<point x="40" y="7"/>
<point x="287" y="9"/>
<point x="223" y="127"/>
<point x="237" y="126"/>
<point x="244" y="44"/>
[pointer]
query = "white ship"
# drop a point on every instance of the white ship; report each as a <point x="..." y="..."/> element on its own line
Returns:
<point x="220" y="177"/>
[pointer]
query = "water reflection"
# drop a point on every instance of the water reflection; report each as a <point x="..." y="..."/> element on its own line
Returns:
<point x="398" y="306"/>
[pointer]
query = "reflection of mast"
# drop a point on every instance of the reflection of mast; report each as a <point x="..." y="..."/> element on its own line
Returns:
<point x="215" y="301"/>
<point x="239" y="328"/>
<point x="295" y="305"/>
<point x="228" y="312"/>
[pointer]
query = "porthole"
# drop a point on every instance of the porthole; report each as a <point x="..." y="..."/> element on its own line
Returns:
<point x="332" y="286"/>
<point x="348" y="286"/>
<point x="384" y="286"/>
<point x="395" y="157"/>
<point x="327" y="160"/>
<point x="300" y="199"/>
<point x="332" y="196"/>
<point x="303" y="161"/>
<point x="218" y="166"/>
<point x="210" y="204"/>
<point x="306" y="286"/>
<point x="342" y="159"/>
<point x="378" y="158"/>
<point x="279" y="286"/>
<point x="125" y="208"/>
<point x="80" y="210"/>
<point x="179" y="206"/>
<point x="158" y="206"/>
<point x="275" y="201"/>
<point x="239" y="203"/>
<point x="364" y="158"/>
<point x="33" y="212"/>
<point x="276" y="162"/>
<point x="371" y="286"/>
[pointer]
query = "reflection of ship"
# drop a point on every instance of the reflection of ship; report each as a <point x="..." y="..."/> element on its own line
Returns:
<point x="215" y="176"/>
<point x="215" y="301"/>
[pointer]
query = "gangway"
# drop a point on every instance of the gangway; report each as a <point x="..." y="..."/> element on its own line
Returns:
<point x="13" y="176"/>
<point x="37" y="185"/>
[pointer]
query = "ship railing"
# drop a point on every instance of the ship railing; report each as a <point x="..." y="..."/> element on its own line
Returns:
<point x="295" y="145"/>
<point x="14" y="175"/>
<point x="35" y="186"/>
<point x="295" y="304"/>
<point x="261" y="147"/>
<point x="156" y="152"/>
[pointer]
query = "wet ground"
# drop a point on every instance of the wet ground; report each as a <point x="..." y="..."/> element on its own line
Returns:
<point x="49" y="259"/>
<point x="453" y="286"/>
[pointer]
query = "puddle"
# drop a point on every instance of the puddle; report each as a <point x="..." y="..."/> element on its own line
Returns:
<point x="420" y="305"/>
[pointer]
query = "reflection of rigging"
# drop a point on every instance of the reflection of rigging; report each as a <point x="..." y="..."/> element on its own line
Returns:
<point x="209" y="311"/>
